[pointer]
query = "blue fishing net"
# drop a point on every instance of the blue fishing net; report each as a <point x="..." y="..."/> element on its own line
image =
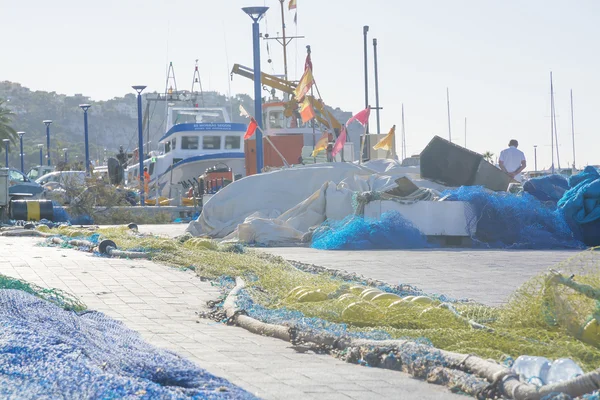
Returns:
<point x="47" y="352"/>
<point x="549" y="188"/>
<point x="504" y="220"/>
<point x="392" y="231"/>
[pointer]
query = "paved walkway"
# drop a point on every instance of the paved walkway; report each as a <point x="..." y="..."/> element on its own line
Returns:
<point x="160" y="303"/>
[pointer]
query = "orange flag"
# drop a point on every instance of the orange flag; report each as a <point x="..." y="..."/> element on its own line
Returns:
<point x="321" y="144"/>
<point x="251" y="129"/>
<point x="306" y="110"/>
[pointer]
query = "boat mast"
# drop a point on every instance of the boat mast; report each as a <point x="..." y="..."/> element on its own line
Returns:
<point x="552" y="119"/>
<point x="573" y="130"/>
<point x="403" y="144"/>
<point x="449" y="128"/>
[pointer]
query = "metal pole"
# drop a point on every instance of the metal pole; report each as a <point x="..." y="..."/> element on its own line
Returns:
<point x="284" y="42"/>
<point x="66" y="155"/>
<point x="6" y="144"/>
<point x="552" y="120"/>
<point x="376" y="85"/>
<point x="48" y="122"/>
<point x="465" y="132"/>
<point x="403" y="136"/>
<point x="257" y="96"/>
<point x="141" y="157"/>
<point x="87" y="148"/>
<point x="41" y="146"/>
<point x="365" y="31"/>
<point x="573" y="129"/>
<point x="535" y="157"/>
<point x="449" y="128"/>
<point x="21" y="141"/>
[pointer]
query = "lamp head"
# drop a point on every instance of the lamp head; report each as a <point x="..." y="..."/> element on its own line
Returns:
<point x="256" y="13"/>
<point x="47" y="121"/>
<point x="40" y="145"/>
<point x="20" y="134"/>
<point x="6" y="140"/>
<point x="85" y="107"/>
<point x="65" y="149"/>
<point x="139" y="88"/>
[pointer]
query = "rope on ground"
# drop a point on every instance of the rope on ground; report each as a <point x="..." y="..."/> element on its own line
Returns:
<point x="501" y="378"/>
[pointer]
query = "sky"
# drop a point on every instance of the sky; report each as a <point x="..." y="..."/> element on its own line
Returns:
<point x="495" y="57"/>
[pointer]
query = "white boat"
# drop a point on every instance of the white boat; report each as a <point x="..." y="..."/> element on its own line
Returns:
<point x="196" y="139"/>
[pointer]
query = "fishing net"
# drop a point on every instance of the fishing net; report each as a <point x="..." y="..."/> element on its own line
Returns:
<point x="392" y="231"/>
<point x="504" y="220"/>
<point x="55" y="296"/>
<point x="48" y="352"/>
<point x="537" y="321"/>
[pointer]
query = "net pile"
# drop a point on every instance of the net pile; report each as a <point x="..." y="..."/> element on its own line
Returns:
<point x="278" y="291"/>
<point x="48" y="352"/>
<point x="56" y="296"/>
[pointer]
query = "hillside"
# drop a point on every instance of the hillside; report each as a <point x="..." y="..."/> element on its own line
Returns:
<point x="111" y="123"/>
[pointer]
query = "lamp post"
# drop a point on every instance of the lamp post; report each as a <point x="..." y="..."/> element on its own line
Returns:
<point x="6" y="144"/>
<point x="139" y="89"/>
<point x="256" y="13"/>
<point x="65" y="150"/>
<point x="535" y="156"/>
<point x="41" y="147"/>
<point x="21" y="141"/>
<point x="47" y="122"/>
<point x="85" y="108"/>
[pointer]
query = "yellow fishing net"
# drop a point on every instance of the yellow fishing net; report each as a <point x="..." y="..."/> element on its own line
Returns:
<point x="552" y="315"/>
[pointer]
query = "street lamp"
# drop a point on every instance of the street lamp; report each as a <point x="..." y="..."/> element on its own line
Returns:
<point x="65" y="150"/>
<point x="47" y="122"/>
<point x="6" y="144"/>
<point x="41" y="147"/>
<point x="139" y="89"/>
<point x="85" y="108"/>
<point x="21" y="141"/>
<point x="535" y="156"/>
<point x="256" y="13"/>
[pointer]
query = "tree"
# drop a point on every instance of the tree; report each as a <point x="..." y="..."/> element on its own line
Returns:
<point x="6" y="130"/>
<point x="488" y="156"/>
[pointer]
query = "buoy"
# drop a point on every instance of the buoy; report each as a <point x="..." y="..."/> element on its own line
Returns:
<point x="385" y="298"/>
<point x="31" y="210"/>
<point x="360" y="311"/>
<point x="312" y="296"/>
<point x="103" y="246"/>
<point x="591" y="333"/>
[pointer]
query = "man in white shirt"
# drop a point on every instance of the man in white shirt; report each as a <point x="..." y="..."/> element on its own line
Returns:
<point x="512" y="161"/>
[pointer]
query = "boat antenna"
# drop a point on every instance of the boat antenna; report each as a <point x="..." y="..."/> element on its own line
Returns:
<point x="573" y="130"/>
<point x="283" y="40"/>
<point x="552" y="120"/>
<point x="553" y="117"/>
<point x="196" y="80"/>
<point x="228" y="80"/>
<point x="449" y="127"/>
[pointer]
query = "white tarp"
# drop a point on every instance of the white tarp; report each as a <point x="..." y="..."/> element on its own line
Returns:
<point x="280" y="207"/>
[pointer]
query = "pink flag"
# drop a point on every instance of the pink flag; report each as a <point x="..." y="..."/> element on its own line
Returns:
<point x="362" y="117"/>
<point x="339" y="143"/>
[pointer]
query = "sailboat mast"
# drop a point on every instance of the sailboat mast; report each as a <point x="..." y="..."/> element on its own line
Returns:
<point x="448" y="101"/>
<point x="284" y="41"/>
<point x="403" y="136"/>
<point x="573" y="129"/>
<point x="552" y="119"/>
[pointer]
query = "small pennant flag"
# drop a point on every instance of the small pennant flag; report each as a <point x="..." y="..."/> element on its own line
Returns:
<point x="387" y="142"/>
<point x="304" y="86"/>
<point x="339" y="143"/>
<point x="251" y="129"/>
<point x="292" y="5"/>
<point x="362" y="117"/>
<point x="321" y="144"/>
<point x="306" y="110"/>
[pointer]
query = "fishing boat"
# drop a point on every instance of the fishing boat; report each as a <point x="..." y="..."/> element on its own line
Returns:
<point x="197" y="139"/>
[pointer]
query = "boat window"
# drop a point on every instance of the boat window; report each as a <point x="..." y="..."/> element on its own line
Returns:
<point x="276" y="120"/>
<point x="232" y="142"/>
<point x="151" y="168"/>
<point x="16" y="176"/>
<point x="167" y="147"/>
<point x="189" y="143"/>
<point x="211" y="142"/>
<point x="174" y="144"/>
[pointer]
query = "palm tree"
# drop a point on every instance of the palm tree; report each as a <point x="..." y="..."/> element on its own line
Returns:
<point x="488" y="156"/>
<point x="6" y="131"/>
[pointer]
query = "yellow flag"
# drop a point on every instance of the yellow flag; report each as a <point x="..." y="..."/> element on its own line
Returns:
<point x="321" y="144"/>
<point x="387" y="142"/>
<point x="305" y="84"/>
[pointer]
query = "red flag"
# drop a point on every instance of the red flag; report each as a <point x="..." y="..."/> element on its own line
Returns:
<point x="251" y="129"/>
<point x="308" y="63"/>
<point x="362" y="117"/>
<point x="340" y="142"/>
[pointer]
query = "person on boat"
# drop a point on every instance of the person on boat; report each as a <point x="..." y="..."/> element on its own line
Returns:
<point x="146" y="179"/>
<point x="512" y="161"/>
